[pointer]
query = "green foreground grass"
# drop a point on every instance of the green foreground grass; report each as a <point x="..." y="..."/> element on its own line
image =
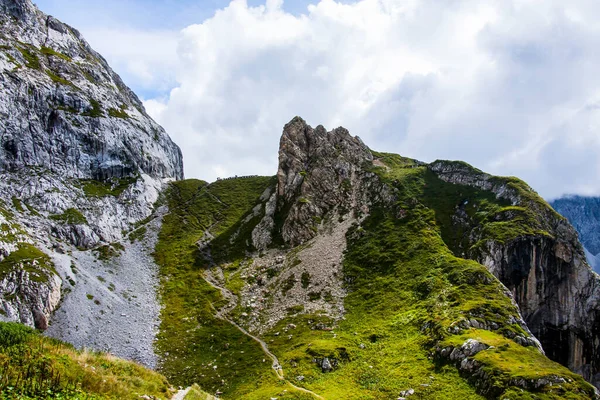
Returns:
<point x="35" y="367"/>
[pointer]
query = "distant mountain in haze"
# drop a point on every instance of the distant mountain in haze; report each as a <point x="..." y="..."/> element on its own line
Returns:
<point x="584" y="214"/>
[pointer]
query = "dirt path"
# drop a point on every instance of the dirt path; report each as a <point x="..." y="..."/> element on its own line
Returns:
<point x="181" y="394"/>
<point x="222" y="314"/>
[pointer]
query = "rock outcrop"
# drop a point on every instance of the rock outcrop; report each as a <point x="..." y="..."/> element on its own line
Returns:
<point x="318" y="172"/>
<point x="29" y="301"/>
<point x="546" y="271"/>
<point x="463" y="357"/>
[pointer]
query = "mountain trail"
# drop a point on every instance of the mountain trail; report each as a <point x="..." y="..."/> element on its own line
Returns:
<point x="222" y="314"/>
<point x="180" y="395"/>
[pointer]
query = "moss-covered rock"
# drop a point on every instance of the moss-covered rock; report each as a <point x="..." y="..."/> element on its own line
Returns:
<point x="30" y="259"/>
<point x="70" y="216"/>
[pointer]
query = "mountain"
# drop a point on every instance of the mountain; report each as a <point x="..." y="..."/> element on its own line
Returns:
<point x="81" y="163"/>
<point x="358" y="274"/>
<point x="584" y="214"/>
<point x="351" y="274"/>
<point x="63" y="109"/>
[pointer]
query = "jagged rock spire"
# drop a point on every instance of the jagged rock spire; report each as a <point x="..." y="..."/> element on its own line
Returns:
<point x="320" y="173"/>
<point x="302" y="148"/>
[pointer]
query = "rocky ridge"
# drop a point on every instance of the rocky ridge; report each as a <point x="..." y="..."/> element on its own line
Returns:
<point x="300" y="265"/>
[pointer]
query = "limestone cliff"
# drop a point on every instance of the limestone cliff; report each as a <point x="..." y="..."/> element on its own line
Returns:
<point x="81" y="167"/>
<point x="64" y="110"/>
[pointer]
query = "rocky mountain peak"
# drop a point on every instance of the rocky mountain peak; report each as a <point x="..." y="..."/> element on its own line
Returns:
<point x="304" y="149"/>
<point x="321" y="174"/>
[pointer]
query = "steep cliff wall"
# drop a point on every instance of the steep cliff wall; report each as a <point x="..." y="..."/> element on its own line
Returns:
<point x="63" y="109"/>
<point x="541" y="262"/>
<point x="81" y="167"/>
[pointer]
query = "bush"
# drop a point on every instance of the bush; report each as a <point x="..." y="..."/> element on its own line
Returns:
<point x="12" y="333"/>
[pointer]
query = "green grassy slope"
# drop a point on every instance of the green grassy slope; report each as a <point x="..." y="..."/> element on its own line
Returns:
<point x="194" y="345"/>
<point x="408" y="289"/>
<point x="36" y="367"/>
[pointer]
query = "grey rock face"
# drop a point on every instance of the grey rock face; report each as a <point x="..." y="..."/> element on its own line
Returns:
<point x="556" y="290"/>
<point x="81" y="164"/>
<point x="63" y="108"/>
<point x="21" y="9"/>
<point x="32" y="302"/>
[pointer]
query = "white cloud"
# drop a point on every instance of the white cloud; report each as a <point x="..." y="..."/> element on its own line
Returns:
<point x="147" y="60"/>
<point x="510" y="86"/>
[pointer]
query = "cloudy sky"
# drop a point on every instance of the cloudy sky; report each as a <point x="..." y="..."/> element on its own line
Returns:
<point x="510" y="86"/>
